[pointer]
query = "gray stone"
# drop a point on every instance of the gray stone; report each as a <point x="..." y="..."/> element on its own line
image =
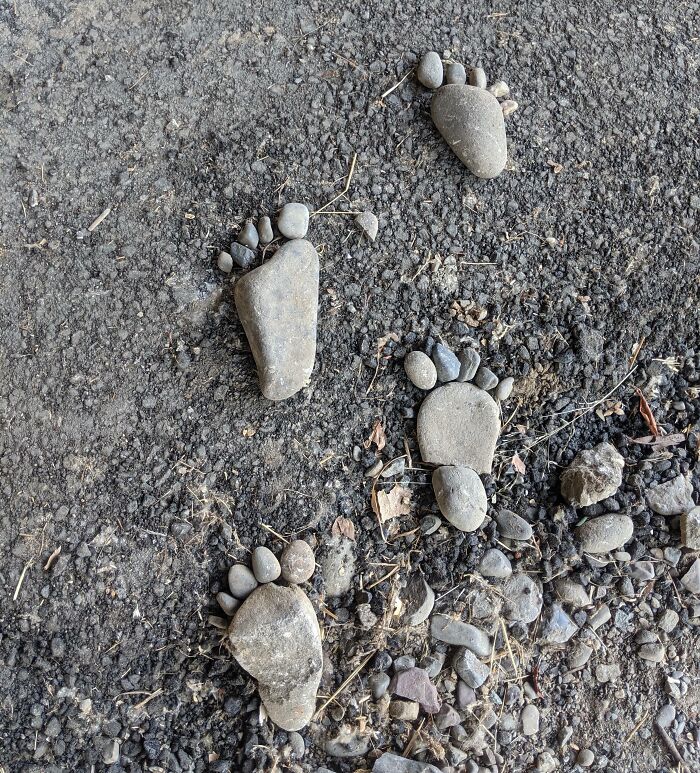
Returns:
<point x="690" y="529"/>
<point x="641" y="570"/>
<point x="585" y="758"/>
<point x="494" y="563"/>
<point x="653" y="652"/>
<point x="470" y="669"/>
<point x="347" y="743"/>
<point x="248" y="236"/>
<point x="265" y="230"/>
<point x="509" y="107"/>
<point x="446" y="363"/>
<point x="512" y="526"/>
<point x="241" y="255"/>
<point x="379" y="684"/>
<point x="530" y="719"/>
<point x="461" y="496"/>
<point x="418" y="599"/>
<point x="297" y="561"/>
<point x="111" y="752"/>
<point x="599" y="617"/>
<point x="225" y="262"/>
<point x="558" y="627"/>
<point x="296" y="744"/>
<point x="465" y="695"/>
<point x="579" y="655"/>
<point x="458" y="424"/>
<point x="394" y="468"/>
<point x="415" y="684"/>
<point x="504" y="388"/>
<point x="368" y="223"/>
<point x="455" y="73"/>
<point x="429" y="524"/>
<point x="278" y="304"/>
<point x="477" y="77"/>
<point x="393" y="763"/>
<point x="447" y="717"/>
<point x="594" y="474"/>
<point x="469" y="360"/>
<point x="607" y="672"/>
<point x="668" y="620"/>
<point x="420" y="370"/>
<point x="523" y="599"/>
<point x="571" y="592"/>
<point x="605" y="533"/>
<point x="404" y="710"/>
<point x="499" y="89"/>
<point x="485" y="378"/>
<point x="228" y="604"/>
<point x="293" y="220"/>
<point x="266" y="567"/>
<point x="691" y="579"/>
<point x="241" y="581"/>
<point x="337" y="564"/>
<point x="666" y="715"/>
<point x="455" y="632"/>
<point x="673" y="497"/>
<point x="471" y="122"/>
<point x="403" y="663"/>
<point x="429" y="71"/>
<point x="275" y="637"/>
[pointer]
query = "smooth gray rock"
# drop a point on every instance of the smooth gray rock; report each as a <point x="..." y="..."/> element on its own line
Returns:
<point x="446" y="363"/>
<point x="471" y="122"/>
<point x="275" y="637"/>
<point x="469" y="360"/>
<point x="368" y="223"/>
<point x="522" y="599"/>
<point x="278" y="305"/>
<point x="265" y="231"/>
<point x="297" y="561"/>
<point x="477" y="77"/>
<point x="594" y="474"/>
<point x="605" y="533"/>
<point x="558" y="627"/>
<point x="393" y="763"/>
<point x="225" y="262"/>
<point x="248" y="236"/>
<point x="495" y="563"/>
<point x="579" y="655"/>
<point x="571" y="592"/>
<point x="470" y="669"/>
<point x="241" y="581"/>
<point x="241" y="255"/>
<point x="461" y="496"/>
<point x="513" y="526"/>
<point x="266" y="567"/>
<point x="690" y="529"/>
<point x="530" y="719"/>
<point x="293" y="220"/>
<point x="433" y="664"/>
<point x="379" y="684"/>
<point x="486" y="378"/>
<point x="504" y="388"/>
<point x="458" y="424"/>
<point x="455" y="73"/>
<point x="654" y="652"/>
<point x="420" y="370"/>
<point x="418" y="598"/>
<point x="429" y="71"/>
<point x="337" y="564"/>
<point x="228" y="604"/>
<point x="455" y="632"/>
<point x="673" y="497"/>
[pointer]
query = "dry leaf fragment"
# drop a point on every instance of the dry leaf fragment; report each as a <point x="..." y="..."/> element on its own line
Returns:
<point x="518" y="463"/>
<point x="659" y="441"/>
<point x="377" y="436"/>
<point x="647" y="414"/>
<point x="392" y="505"/>
<point x="556" y="166"/>
<point x="343" y="527"/>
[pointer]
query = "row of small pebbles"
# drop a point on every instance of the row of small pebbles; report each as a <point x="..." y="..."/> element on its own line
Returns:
<point x="292" y="222"/>
<point x="444" y="365"/>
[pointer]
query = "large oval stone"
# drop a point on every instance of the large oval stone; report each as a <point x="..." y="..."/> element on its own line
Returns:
<point x="458" y="424"/>
<point x="471" y="121"/>
<point x="278" y="305"/>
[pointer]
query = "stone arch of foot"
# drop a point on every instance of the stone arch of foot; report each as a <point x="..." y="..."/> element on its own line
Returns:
<point x="458" y="426"/>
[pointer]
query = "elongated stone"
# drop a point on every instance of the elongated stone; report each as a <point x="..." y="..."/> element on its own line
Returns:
<point x="461" y="496"/>
<point x="605" y="533"/>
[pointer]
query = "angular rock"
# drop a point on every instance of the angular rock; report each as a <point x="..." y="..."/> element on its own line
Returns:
<point x="471" y="122"/>
<point x="496" y="564"/>
<point x="523" y="599"/>
<point x="415" y="684"/>
<point x="241" y="255"/>
<point x="418" y="599"/>
<point x="404" y="710"/>
<point x="447" y="717"/>
<point x="461" y="496"/>
<point x="470" y="669"/>
<point x="579" y="655"/>
<point x="485" y="378"/>
<point x="673" y="497"/>
<point x="379" y="684"/>
<point x="278" y="304"/>
<point x="248" y="236"/>
<point x="337" y="565"/>
<point x="690" y="529"/>
<point x="367" y="223"/>
<point x="691" y="579"/>
<point x="450" y="631"/>
<point x="469" y="360"/>
<point x="594" y="474"/>
<point x="293" y="220"/>
<point x="429" y="71"/>
<point x="446" y="363"/>
<point x="275" y="637"/>
<point x="605" y="533"/>
<point x="558" y="627"/>
<point x="420" y="370"/>
<point x="458" y="424"/>
<point x="513" y="526"/>
<point x="393" y="763"/>
<point x="654" y="652"/>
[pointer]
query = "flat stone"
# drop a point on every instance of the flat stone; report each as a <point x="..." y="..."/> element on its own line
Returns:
<point x="461" y="496"/>
<point x="469" y="360"/>
<point x="278" y="304"/>
<point x="111" y="752"/>
<point x="530" y="719"/>
<point x="455" y="632"/>
<point x="690" y="529"/>
<point x="557" y="627"/>
<point x="225" y="262"/>
<point x="415" y="684"/>
<point x="241" y="581"/>
<point x="404" y="710"/>
<point x="429" y="524"/>
<point x="594" y="474"/>
<point x="241" y="255"/>
<point x="513" y="526"/>
<point x="393" y="763"/>
<point x="433" y="664"/>
<point x="297" y="561"/>
<point x="571" y="592"/>
<point x="579" y="655"/>
<point x="458" y="424"/>
<point x="266" y="567"/>
<point x="418" y="599"/>
<point x="455" y="73"/>
<point x="607" y="672"/>
<point x="265" y="231"/>
<point x="485" y="378"/>
<point x="465" y="695"/>
<point x="599" y="617"/>
<point x="668" y="620"/>
<point x="477" y="77"/>
<point x="420" y="370"/>
<point x="293" y="220"/>
<point x="673" y="497"/>
<point x="446" y="363"/>
<point x="470" y="669"/>
<point x="504" y="388"/>
<point x="605" y="533"/>
<point x="248" y="236"/>
<point x="495" y="563"/>
<point x="523" y="599"/>
<point x="471" y="122"/>
<point x="347" y="743"/>
<point x="691" y="579"/>
<point x="447" y="717"/>
<point x="368" y="223"/>
<point x="337" y="564"/>
<point x="429" y="71"/>
<point x="275" y="637"/>
<point x="653" y="652"/>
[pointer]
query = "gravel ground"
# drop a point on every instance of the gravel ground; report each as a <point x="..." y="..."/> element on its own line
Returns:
<point x="134" y="438"/>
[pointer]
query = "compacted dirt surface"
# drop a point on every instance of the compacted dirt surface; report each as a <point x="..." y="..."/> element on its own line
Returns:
<point x="138" y="459"/>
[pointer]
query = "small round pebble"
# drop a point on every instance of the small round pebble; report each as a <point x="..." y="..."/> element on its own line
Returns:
<point x="242" y="256"/>
<point x="293" y="220"/>
<point x="248" y="236"/>
<point x="477" y="77"/>
<point x="227" y="603"/>
<point x="429" y="71"/>
<point x="504" y="388"/>
<point x="241" y="581"/>
<point x="420" y="370"/>
<point x="455" y="73"/>
<point x="446" y="363"/>
<point x="297" y="562"/>
<point x="296" y="742"/>
<point x="485" y="378"/>
<point x="265" y="230"/>
<point x="585" y="758"/>
<point x="666" y="716"/>
<point x="225" y="262"/>
<point x="266" y="567"/>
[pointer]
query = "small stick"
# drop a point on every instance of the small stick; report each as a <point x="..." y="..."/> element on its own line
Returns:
<point x="396" y="85"/>
<point x="150" y="698"/>
<point x="636" y="727"/>
<point x="21" y="579"/>
<point x="412" y="740"/>
<point x="353" y="674"/>
<point x="52" y="558"/>
<point x="99" y="219"/>
<point x="345" y="189"/>
<point x="671" y="745"/>
<point x="386" y="577"/>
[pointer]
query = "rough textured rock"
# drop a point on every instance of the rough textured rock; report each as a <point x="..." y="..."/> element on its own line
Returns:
<point x="420" y="370"/>
<point x="393" y="763"/>
<point x="278" y="304"/>
<point x="691" y="579"/>
<point x="605" y="533"/>
<point x="404" y="710"/>
<point x="418" y="599"/>
<point x="275" y="637"/>
<point x="337" y="564"/>
<point x="458" y="424"/>
<point x="297" y="561"/>
<point x="523" y="599"/>
<point x="594" y="474"/>
<point x="348" y="742"/>
<point x="368" y="223"/>
<point x="461" y="496"/>
<point x="451" y="631"/>
<point x="471" y="121"/>
<point x="557" y="627"/>
<point x="415" y="684"/>
<point x="470" y="669"/>
<point x="673" y="497"/>
<point x="690" y="529"/>
<point x="571" y="592"/>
